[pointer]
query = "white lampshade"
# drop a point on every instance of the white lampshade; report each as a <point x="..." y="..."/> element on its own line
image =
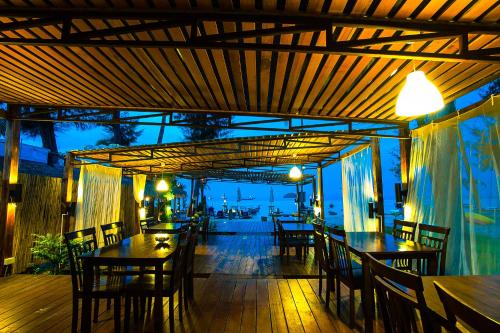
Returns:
<point x="162" y="186"/>
<point x="418" y="96"/>
<point x="295" y="173"/>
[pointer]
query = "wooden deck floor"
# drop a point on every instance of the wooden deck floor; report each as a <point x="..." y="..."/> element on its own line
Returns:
<point x="222" y="304"/>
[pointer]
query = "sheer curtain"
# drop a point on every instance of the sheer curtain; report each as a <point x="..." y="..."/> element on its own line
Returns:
<point x="357" y="191"/>
<point x="454" y="182"/>
<point x="139" y="184"/>
<point x="98" y="201"/>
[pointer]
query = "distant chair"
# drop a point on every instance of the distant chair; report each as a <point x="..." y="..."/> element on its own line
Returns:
<point x="286" y="242"/>
<point x="436" y="237"/>
<point x="112" y="232"/>
<point x="105" y="287"/>
<point x="404" y="230"/>
<point x="344" y="272"/>
<point x="456" y="309"/>
<point x="400" y="296"/>
<point x="321" y="254"/>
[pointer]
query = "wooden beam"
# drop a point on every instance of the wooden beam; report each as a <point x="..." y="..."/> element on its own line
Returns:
<point x="67" y="190"/>
<point x="378" y="190"/>
<point x="405" y="153"/>
<point x="320" y="191"/>
<point x="9" y="176"/>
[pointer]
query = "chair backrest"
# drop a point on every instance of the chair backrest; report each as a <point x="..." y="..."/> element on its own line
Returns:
<point x="404" y="229"/>
<point x="339" y="250"/>
<point x="79" y="242"/>
<point x="179" y="261"/>
<point x="400" y="295"/>
<point x="455" y="308"/>
<point x="112" y="232"/>
<point x="191" y="248"/>
<point x="320" y="249"/>
<point x="436" y="237"/>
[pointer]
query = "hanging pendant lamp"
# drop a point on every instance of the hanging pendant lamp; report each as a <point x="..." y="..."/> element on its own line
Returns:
<point x="162" y="186"/>
<point x="418" y="96"/>
<point x="295" y="173"/>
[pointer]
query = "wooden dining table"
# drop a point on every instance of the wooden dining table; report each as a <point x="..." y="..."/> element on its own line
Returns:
<point x="167" y="228"/>
<point x="481" y="292"/>
<point x="385" y="247"/>
<point x="294" y="228"/>
<point x="138" y="250"/>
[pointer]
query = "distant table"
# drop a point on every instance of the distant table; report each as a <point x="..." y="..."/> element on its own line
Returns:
<point x="138" y="250"/>
<point x="385" y="246"/>
<point x="167" y="228"/>
<point x="480" y="292"/>
<point x="298" y="228"/>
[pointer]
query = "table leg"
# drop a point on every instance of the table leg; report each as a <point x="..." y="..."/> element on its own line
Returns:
<point x="88" y="276"/>
<point x="158" y="307"/>
<point x="369" y="297"/>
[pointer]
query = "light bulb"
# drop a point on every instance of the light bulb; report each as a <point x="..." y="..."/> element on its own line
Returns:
<point x="418" y="96"/>
<point x="295" y="173"/>
<point x="142" y="213"/>
<point x="162" y="186"/>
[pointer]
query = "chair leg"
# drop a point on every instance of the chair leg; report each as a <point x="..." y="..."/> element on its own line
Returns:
<point x="74" y="317"/>
<point x="180" y="303"/>
<point x="351" y="308"/>
<point x="320" y="281"/>
<point x="136" y="309"/>
<point x="171" y="313"/>
<point x="96" y="310"/>
<point x="126" y="320"/>
<point x="338" y="297"/>
<point x="327" y="298"/>
<point x="142" y="302"/>
<point x="117" y="313"/>
<point x="108" y="304"/>
<point x="191" y="285"/>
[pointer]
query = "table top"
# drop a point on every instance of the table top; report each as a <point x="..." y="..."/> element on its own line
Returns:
<point x="378" y="243"/>
<point x="138" y="249"/>
<point x="481" y="292"/>
<point x="170" y="226"/>
<point x="298" y="227"/>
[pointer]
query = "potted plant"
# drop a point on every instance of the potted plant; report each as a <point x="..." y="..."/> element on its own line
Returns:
<point x="51" y="253"/>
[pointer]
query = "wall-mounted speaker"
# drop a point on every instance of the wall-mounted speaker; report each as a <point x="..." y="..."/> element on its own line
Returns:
<point x="371" y="210"/>
<point x="71" y="209"/>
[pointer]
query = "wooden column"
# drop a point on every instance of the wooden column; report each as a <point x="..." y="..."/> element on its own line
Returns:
<point x="405" y="153"/>
<point x="378" y="191"/>
<point x="67" y="190"/>
<point x="9" y="176"/>
<point x="320" y="191"/>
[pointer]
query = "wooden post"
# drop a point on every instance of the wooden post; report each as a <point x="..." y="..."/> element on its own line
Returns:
<point x="405" y="153"/>
<point x="9" y="176"/>
<point x="378" y="191"/>
<point x="67" y="190"/>
<point x="320" y="191"/>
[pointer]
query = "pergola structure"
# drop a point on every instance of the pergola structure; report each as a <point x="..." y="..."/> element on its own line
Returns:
<point x="248" y="176"/>
<point x="338" y="63"/>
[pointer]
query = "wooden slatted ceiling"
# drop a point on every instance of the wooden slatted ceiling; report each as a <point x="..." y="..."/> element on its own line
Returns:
<point x="268" y="177"/>
<point x="234" y="153"/>
<point x="259" y="82"/>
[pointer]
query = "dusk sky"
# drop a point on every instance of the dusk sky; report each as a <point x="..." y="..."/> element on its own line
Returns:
<point x="71" y="139"/>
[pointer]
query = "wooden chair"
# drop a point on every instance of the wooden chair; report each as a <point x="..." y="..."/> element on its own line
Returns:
<point x="275" y="226"/>
<point x="189" y="267"/>
<point x="404" y="230"/>
<point x="436" y="237"/>
<point x="344" y="272"/>
<point x="321" y="254"/>
<point x="286" y="242"/>
<point x="400" y="296"/>
<point x="144" y="286"/>
<point x="455" y="308"/>
<point x="105" y="287"/>
<point x="112" y="232"/>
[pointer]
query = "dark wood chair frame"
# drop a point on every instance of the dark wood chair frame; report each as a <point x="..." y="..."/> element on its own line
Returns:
<point x="398" y="230"/>
<point x="342" y="263"/>
<point x="324" y="263"/>
<point x="399" y="295"/>
<point x="455" y="307"/>
<point x="112" y="232"/>
<point x="436" y="237"/>
<point x="285" y="242"/>
<point x="78" y="243"/>
<point x="188" y="281"/>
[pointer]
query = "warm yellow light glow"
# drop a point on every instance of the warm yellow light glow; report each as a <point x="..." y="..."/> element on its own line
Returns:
<point x="407" y="211"/>
<point x="295" y="173"/>
<point x="141" y="195"/>
<point x="147" y="198"/>
<point x="317" y="210"/>
<point x="418" y="96"/>
<point x="162" y="186"/>
<point x="142" y="213"/>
